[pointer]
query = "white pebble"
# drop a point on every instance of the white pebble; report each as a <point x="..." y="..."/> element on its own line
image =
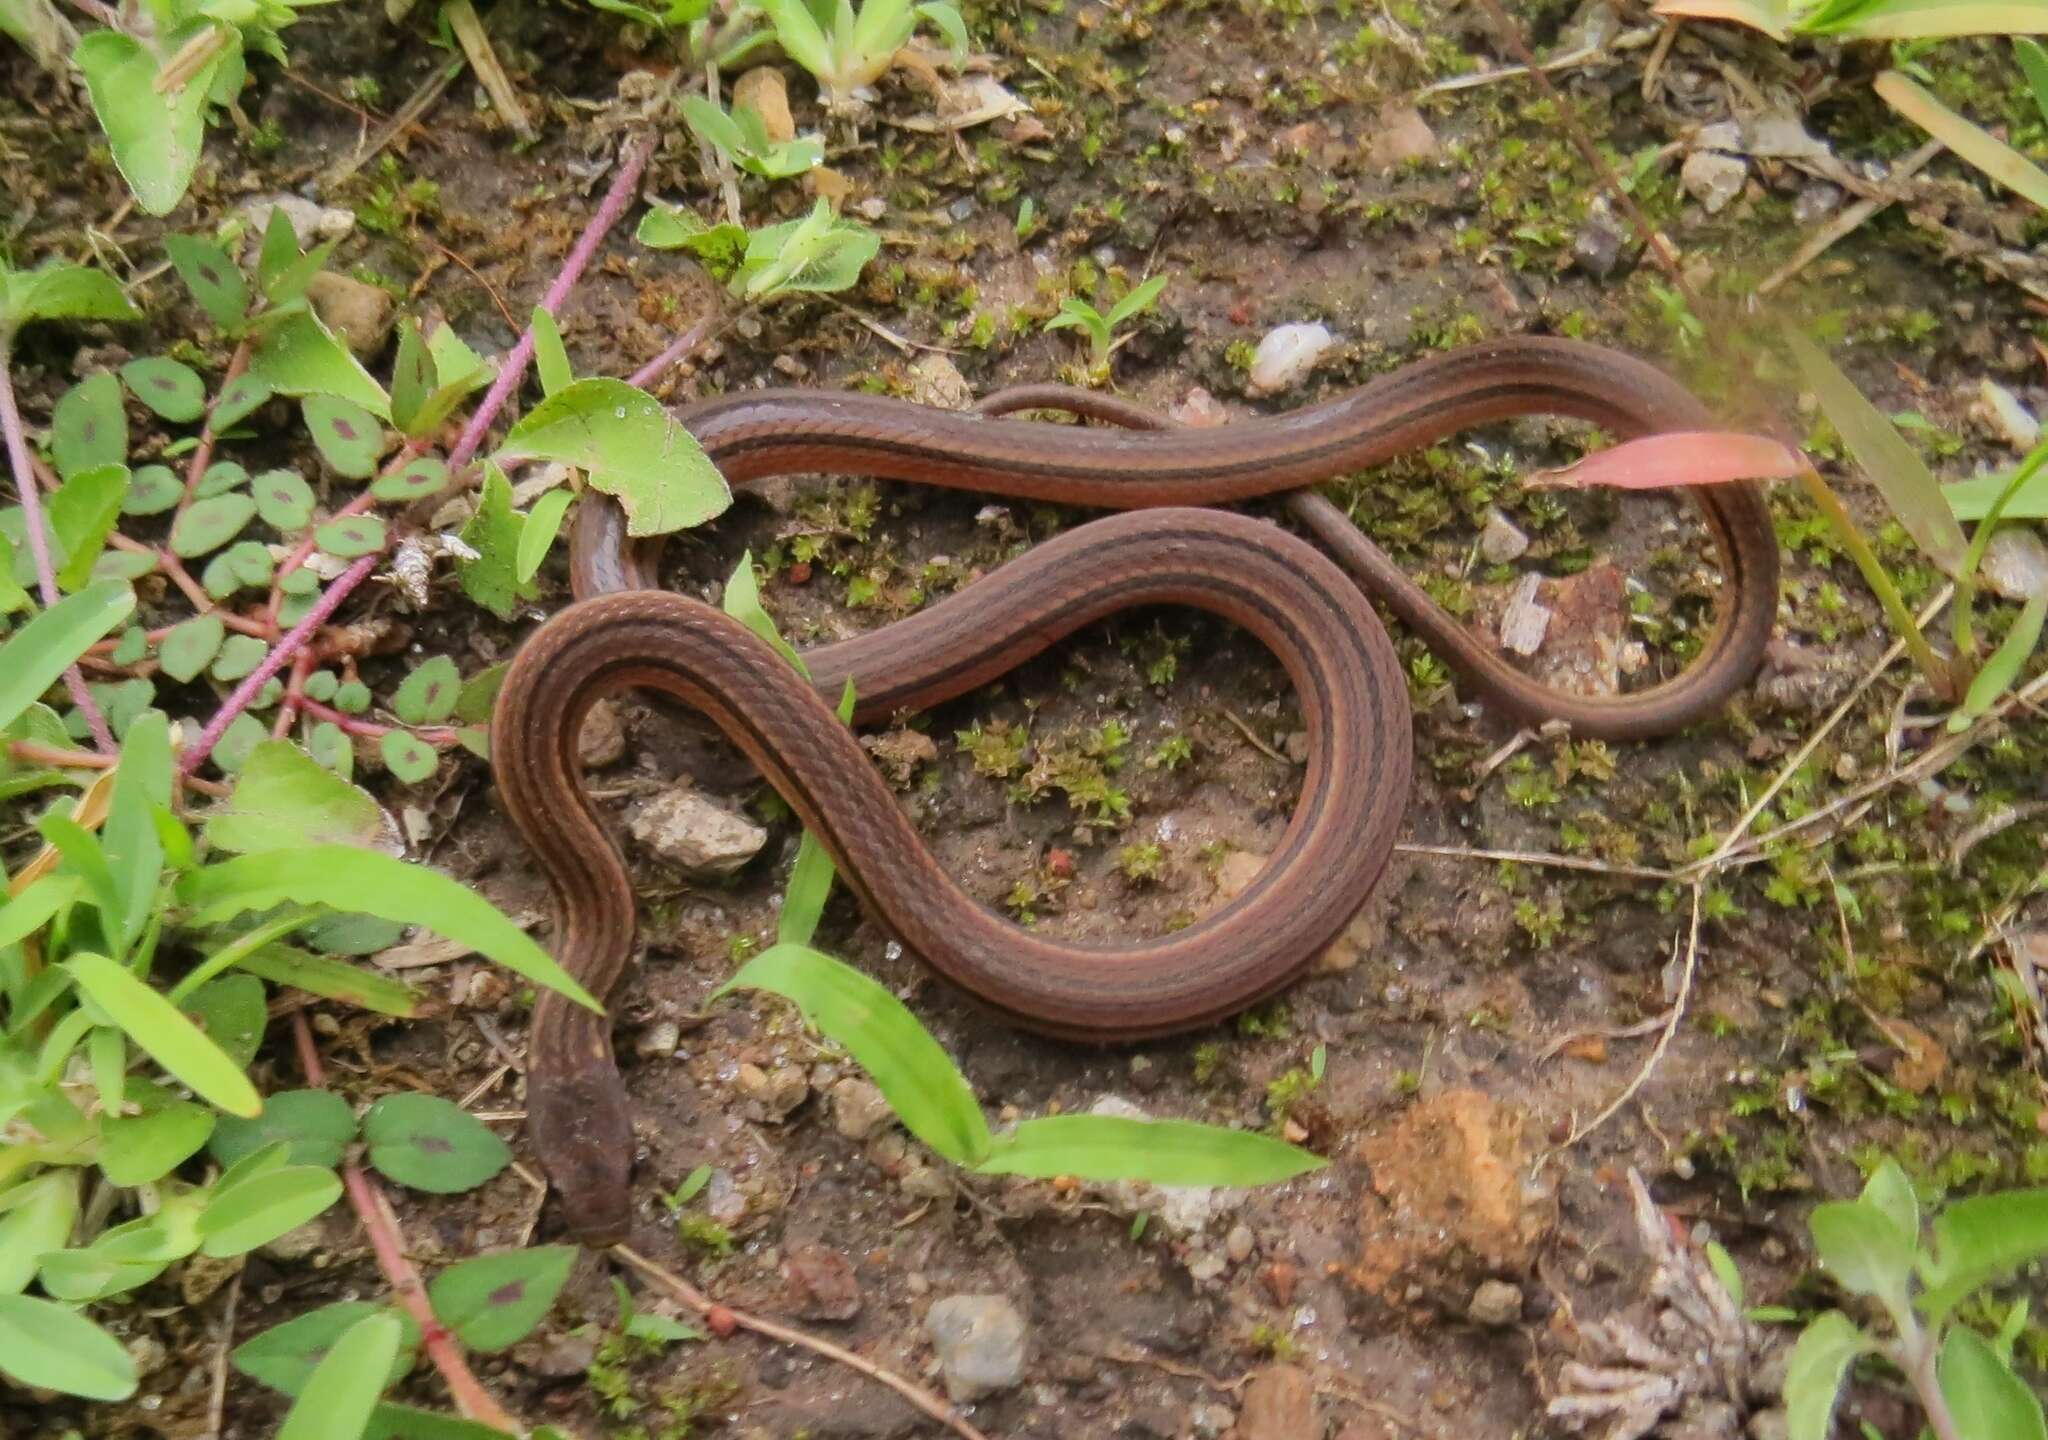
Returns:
<point x="1287" y="354"/>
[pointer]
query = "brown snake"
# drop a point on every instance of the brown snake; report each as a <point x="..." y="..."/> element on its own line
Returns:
<point x="623" y="633"/>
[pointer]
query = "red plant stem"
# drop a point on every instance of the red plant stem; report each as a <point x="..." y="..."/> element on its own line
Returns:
<point x="39" y="540"/>
<point x="439" y="736"/>
<point x="294" y="694"/>
<point x="659" y="366"/>
<point x="616" y="199"/>
<point x="275" y="661"/>
<point x="202" y="455"/>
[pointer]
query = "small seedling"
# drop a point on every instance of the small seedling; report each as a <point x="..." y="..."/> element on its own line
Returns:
<point x="1077" y="314"/>
<point x="848" y="50"/>
<point x="741" y="137"/>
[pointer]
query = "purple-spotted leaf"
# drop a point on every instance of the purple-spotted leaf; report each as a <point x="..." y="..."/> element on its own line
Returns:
<point x="210" y="524"/>
<point x="428" y="695"/>
<point x="214" y="280"/>
<point x="316" y="1125"/>
<point x="190" y="647"/>
<point x="431" y="1144"/>
<point x="88" y="428"/>
<point x="415" y="480"/>
<point x="220" y="477"/>
<point x="408" y="757"/>
<point x="494" y="1301"/>
<point x="284" y="1356"/>
<point x="243" y="565"/>
<point x="284" y="500"/>
<point x="543" y="523"/>
<point x="351" y="536"/>
<point x="172" y="390"/>
<point x="238" y="400"/>
<point x="152" y="490"/>
<point x="348" y="437"/>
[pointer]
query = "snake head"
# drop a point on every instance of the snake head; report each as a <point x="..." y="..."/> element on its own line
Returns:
<point x="581" y="1130"/>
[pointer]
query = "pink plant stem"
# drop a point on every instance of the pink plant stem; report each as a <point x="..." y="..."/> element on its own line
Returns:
<point x="202" y="455"/>
<point x="659" y="366"/>
<point x="616" y="199"/>
<point x="439" y="736"/>
<point x="279" y="656"/>
<point x="39" y="542"/>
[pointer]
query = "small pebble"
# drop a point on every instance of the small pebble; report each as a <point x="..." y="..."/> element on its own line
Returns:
<point x="1287" y="355"/>
<point x="982" y="1343"/>
<point x="1239" y="1243"/>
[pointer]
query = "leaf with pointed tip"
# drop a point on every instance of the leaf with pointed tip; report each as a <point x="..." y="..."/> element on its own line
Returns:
<point x="413" y="379"/>
<point x="82" y="515"/>
<point x="53" y="1346"/>
<point x="493" y="532"/>
<point x="300" y="356"/>
<point x="238" y="400"/>
<point x="630" y="447"/>
<point x="284" y="798"/>
<point x="164" y="1034"/>
<point x="155" y="138"/>
<point x="56" y="291"/>
<point x="214" y="280"/>
<point x="284" y="1356"/>
<point x="548" y="355"/>
<point x="537" y="536"/>
<point x="343" y="1390"/>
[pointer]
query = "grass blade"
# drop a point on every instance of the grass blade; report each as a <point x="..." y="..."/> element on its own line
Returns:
<point x="2004" y="665"/>
<point x="1969" y="140"/>
<point x="163" y="1033"/>
<point x="1165" y="1152"/>
<point x="47" y="646"/>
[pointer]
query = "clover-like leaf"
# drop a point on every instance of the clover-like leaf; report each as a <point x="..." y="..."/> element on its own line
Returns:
<point x="172" y="390"/>
<point x="283" y="499"/>
<point x="215" y="281"/>
<point x="431" y="1144"/>
<point x="239" y="655"/>
<point x="238" y="400"/>
<point x="88" y="427"/>
<point x="494" y="1301"/>
<point x="407" y="757"/>
<point x="351" y="536"/>
<point x="415" y="480"/>
<point x="191" y="646"/>
<point x="152" y="490"/>
<point x="220" y="477"/>
<point x="428" y="695"/>
<point x="209" y="524"/>
<point x="347" y="436"/>
<point x="315" y="1125"/>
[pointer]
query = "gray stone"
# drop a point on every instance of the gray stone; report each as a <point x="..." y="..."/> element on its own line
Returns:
<point x="1713" y="179"/>
<point x="658" y="1041"/>
<point x="2015" y="564"/>
<point x="1500" y="541"/>
<point x="1495" y="1302"/>
<point x="1240" y="1243"/>
<point x="696" y="836"/>
<point x="859" y="1110"/>
<point x="982" y="1343"/>
<point x="1596" y="249"/>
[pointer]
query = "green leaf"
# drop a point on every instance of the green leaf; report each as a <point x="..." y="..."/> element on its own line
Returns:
<point x="413" y="379"/>
<point x="480" y="693"/>
<point x="299" y="356"/>
<point x="1164" y="1152"/>
<point x="1987" y="1401"/>
<point x="142" y="1149"/>
<point x="257" y="1210"/>
<point x="798" y="34"/>
<point x="351" y="537"/>
<point x="82" y="515"/>
<point x="722" y="248"/>
<point x="51" y="1345"/>
<point x="743" y="602"/>
<point x="243" y="735"/>
<point x="152" y="490"/>
<point x="357" y="985"/>
<point x="220" y="477"/>
<point x="415" y="480"/>
<point x="38" y="1219"/>
<point x="56" y="291"/>
<point x="135" y="855"/>
<point x="409" y="759"/>
<point x="283" y="499"/>
<point x="543" y="523"/>
<point x="214" y="279"/>
<point x="232" y="1012"/>
<point x="316" y="1125"/>
<point x="2004" y="666"/>
<point x="1979" y="1240"/>
<point x="238" y="400"/>
<point x="280" y="250"/>
<point x="1864" y="1250"/>
<point x="31" y="910"/>
<point x="1137" y="302"/>
<point x="428" y="695"/>
<point x="43" y="649"/>
<point x="630" y="447"/>
<point x="2034" y="64"/>
<point x="946" y="20"/>
<point x="239" y="655"/>
<point x="1974" y="143"/>
<point x="88" y="427"/>
<point x="191" y="646"/>
<point x="343" y="1390"/>
<point x="1725" y="1274"/>
<point x="209" y="524"/>
<point x="819" y="254"/>
<point x="347" y="436"/>
<point x="284" y="1356"/>
<point x="284" y="798"/>
<point x="362" y="880"/>
<point x="913" y="1073"/>
<point x="1813" y="1376"/>
<point x="494" y="531"/>
<point x="494" y="1301"/>
<point x="164" y="1034"/>
<point x="172" y="390"/>
<point x="155" y="138"/>
<point x="549" y="358"/>
<point x="431" y="1144"/>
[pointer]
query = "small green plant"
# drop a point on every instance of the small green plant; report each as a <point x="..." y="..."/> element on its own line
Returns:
<point x="818" y="254"/>
<point x="848" y="49"/>
<point x="1078" y="314"/>
<point x="927" y="1091"/>
<point x="1863" y="19"/>
<point x="742" y="138"/>
<point x="1873" y="1247"/>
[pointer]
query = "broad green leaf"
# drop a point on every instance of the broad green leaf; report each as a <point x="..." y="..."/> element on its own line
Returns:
<point x="38" y="1219"/>
<point x="152" y="490"/>
<point x="543" y="523"/>
<point x="362" y="880"/>
<point x="1904" y="480"/>
<point x="819" y="254"/>
<point x="480" y="693"/>
<point x="283" y="798"/>
<point x="428" y="695"/>
<point x="88" y="427"/>
<point x="630" y="447"/>
<point x="346" y="934"/>
<point x="283" y="499"/>
<point x="209" y="524"/>
<point x="432" y="1144"/>
<point x="142" y="1149"/>
<point x="2004" y="665"/>
<point x="135" y="854"/>
<point x="284" y="1356"/>
<point x="916" y="1076"/>
<point x="43" y="1343"/>
<point x="232" y="1012"/>
<point x="351" y="537"/>
<point x="798" y="34"/>
<point x="1975" y="144"/>
<point x="946" y="20"/>
<point x="413" y="379"/>
<point x="155" y="138"/>
<point x="82" y="515"/>
<point x="1865" y="1252"/>
<point x="1813" y="1377"/>
<point x="391" y="1421"/>
<point x="409" y="759"/>
<point x="1987" y="1401"/>
<point x="299" y="356"/>
<point x="213" y="278"/>
<point x="1164" y="1152"/>
<point x="56" y="291"/>
<point x="344" y="1388"/>
<point x="549" y="358"/>
<point x="172" y="390"/>
<point x="165" y="1035"/>
<point x="493" y="532"/>
<point x="316" y="1125"/>
<point x="347" y="436"/>
<point x="415" y="480"/>
<point x="34" y="656"/>
<point x="256" y="1211"/>
<point x="323" y="975"/>
<point x="494" y="1301"/>
<point x="1979" y="1240"/>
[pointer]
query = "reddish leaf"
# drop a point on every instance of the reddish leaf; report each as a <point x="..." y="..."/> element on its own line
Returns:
<point x="1684" y="457"/>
